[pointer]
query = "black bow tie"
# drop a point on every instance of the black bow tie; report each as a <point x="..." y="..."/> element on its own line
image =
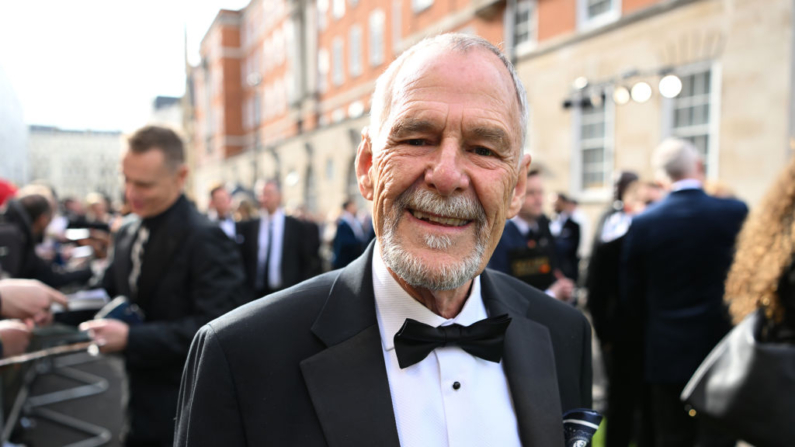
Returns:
<point x="484" y="339"/>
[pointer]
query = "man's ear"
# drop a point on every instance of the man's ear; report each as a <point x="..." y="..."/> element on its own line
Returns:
<point x="518" y="193"/>
<point x="182" y="175"/>
<point x="364" y="165"/>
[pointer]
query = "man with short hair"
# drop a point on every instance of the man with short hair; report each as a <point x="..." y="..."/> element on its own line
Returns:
<point x="567" y="233"/>
<point x="221" y="210"/>
<point x="349" y="239"/>
<point x="178" y="267"/>
<point x="675" y="259"/>
<point x="275" y="247"/>
<point x="412" y="344"/>
<point x="27" y="218"/>
<point x="527" y="248"/>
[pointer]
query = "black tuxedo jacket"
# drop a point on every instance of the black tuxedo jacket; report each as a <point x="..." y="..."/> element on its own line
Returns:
<point x="305" y="366"/>
<point x="297" y="263"/>
<point x="191" y="274"/>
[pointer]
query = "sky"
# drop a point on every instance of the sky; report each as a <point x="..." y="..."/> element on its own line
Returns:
<point x="99" y="64"/>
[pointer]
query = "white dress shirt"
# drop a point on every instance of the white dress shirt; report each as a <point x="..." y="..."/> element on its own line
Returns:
<point x="524" y="226"/>
<point x="429" y="411"/>
<point x="228" y="226"/>
<point x="688" y="183"/>
<point x="275" y="261"/>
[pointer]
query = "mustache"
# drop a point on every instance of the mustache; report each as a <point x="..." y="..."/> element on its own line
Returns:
<point x="457" y="206"/>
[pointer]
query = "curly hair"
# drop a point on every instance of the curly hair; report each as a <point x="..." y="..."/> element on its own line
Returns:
<point x="765" y="248"/>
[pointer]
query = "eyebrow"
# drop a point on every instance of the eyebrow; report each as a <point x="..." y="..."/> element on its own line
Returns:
<point x="491" y="134"/>
<point x="410" y="126"/>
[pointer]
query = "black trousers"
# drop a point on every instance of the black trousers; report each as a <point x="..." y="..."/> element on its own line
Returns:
<point x="628" y="398"/>
<point x="673" y="427"/>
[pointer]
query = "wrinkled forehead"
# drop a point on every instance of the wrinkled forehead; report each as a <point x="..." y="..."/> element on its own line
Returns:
<point x="463" y="71"/>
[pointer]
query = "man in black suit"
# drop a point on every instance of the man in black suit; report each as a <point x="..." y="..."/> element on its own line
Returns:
<point x="349" y="241"/>
<point x="567" y="235"/>
<point x="336" y="361"/>
<point x="26" y="219"/>
<point x="178" y="267"/>
<point x="221" y="210"/>
<point x="676" y="256"/>
<point x="275" y="247"/>
<point x="527" y="248"/>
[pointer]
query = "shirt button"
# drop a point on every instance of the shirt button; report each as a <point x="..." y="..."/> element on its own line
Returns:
<point x="456" y="385"/>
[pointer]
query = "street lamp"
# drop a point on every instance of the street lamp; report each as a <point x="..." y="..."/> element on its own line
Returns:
<point x="670" y="86"/>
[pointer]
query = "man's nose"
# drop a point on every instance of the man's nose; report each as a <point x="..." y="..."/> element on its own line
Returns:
<point x="446" y="174"/>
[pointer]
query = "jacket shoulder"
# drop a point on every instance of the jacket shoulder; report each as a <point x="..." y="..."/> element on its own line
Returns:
<point x="278" y="315"/>
<point x="540" y="306"/>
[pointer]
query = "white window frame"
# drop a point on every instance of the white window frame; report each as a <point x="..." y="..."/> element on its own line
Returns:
<point x="338" y="9"/>
<point x="585" y="23"/>
<point x="510" y="18"/>
<point x="713" y="125"/>
<point x="355" y="50"/>
<point x="322" y="14"/>
<point x="420" y="5"/>
<point x="323" y="69"/>
<point x="576" y="183"/>
<point x="376" y="25"/>
<point x="337" y="61"/>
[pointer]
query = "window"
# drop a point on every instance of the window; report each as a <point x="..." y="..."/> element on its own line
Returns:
<point x="692" y="113"/>
<point x="595" y="154"/>
<point x="594" y="13"/>
<point x="355" y="51"/>
<point x="322" y="69"/>
<point x="257" y="106"/>
<point x="329" y="169"/>
<point x="278" y="46"/>
<point x="337" y="61"/>
<point x="524" y="24"/>
<point x="421" y="5"/>
<point x="322" y="12"/>
<point x="338" y="9"/>
<point x="376" y="38"/>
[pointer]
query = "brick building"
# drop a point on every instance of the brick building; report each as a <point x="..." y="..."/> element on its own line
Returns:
<point x="284" y="86"/>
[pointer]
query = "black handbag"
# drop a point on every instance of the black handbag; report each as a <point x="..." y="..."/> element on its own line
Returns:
<point x="746" y="387"/>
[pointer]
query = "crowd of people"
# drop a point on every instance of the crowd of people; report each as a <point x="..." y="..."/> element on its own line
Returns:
<point x="335" y="351"/>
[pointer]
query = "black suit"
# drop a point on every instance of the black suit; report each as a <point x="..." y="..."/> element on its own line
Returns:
<point x="567" y="244"/>
<point x="191" y="273"/>
<point x="675" y="257"/>
<point x="306" y="367"/>
<point x="27" y="263"/>
<point x="297" y="263"/>
<point x="627" y="394"/>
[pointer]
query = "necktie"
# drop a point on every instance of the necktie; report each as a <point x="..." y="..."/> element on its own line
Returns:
<point x="262" y="269"/>
<point x="137" y="258"/>
<point x="484" y="339"/>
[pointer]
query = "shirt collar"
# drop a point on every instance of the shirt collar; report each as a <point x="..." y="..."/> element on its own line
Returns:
<point x="264" y="215"/>
<point x="688" y="183"/>
<point x="394" y="305"/>
<point x="523" y="225"/>
<point x="155" y="221"/>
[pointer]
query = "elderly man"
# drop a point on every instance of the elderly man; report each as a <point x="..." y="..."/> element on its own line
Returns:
<point x="408" y="344"/>
<point x="675" y="259"/>
<point x="178" y="267"/>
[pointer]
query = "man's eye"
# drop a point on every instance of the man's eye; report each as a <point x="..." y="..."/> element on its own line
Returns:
<point x="416" y="142"/>
<point x="485" y="152"/>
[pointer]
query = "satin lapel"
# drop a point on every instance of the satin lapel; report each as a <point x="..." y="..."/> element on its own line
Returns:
<point x="529" y="364"/>
<point x="159" y="251"/>
<point x="347" y="382"/>
<point x="122" y="263"/>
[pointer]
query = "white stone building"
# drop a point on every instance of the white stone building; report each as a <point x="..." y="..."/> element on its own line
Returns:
<point x="13" y="135"/>
<point x="76" y="162"/>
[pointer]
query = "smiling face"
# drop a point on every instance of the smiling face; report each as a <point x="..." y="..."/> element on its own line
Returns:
<point x="444" y="175"/>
